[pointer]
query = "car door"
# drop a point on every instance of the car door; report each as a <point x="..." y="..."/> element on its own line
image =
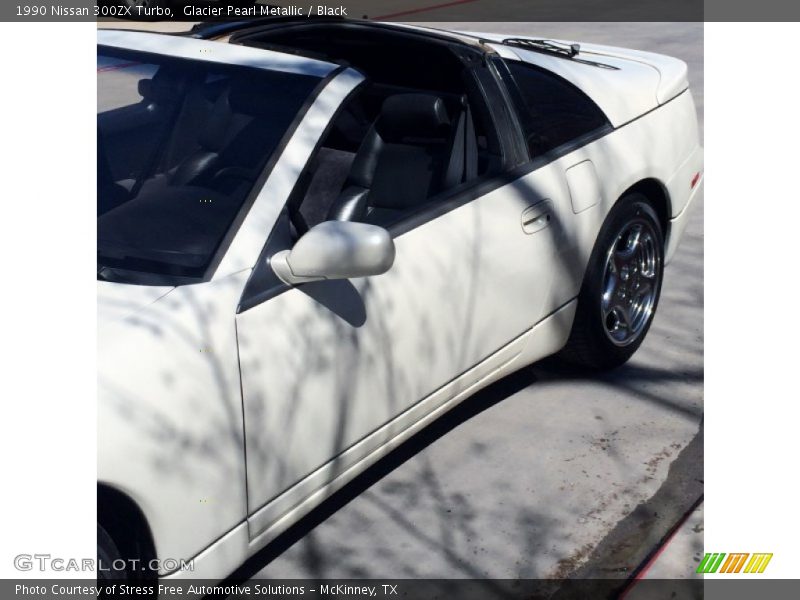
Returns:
<point x="326" y="365"/>
<point x="333" y="370"/>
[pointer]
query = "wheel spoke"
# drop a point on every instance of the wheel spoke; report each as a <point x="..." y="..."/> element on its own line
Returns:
<point x="620" y="260"/>
<point x="635" y="240"/>
<point x="605" y="302"/>
<point x="609" y="289"/>
<point x="626" y="318"/>
<point x="644" y="289"/>
<point x="631" y="254"/>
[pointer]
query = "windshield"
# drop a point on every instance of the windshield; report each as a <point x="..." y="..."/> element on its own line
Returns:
<point x="181" y="144"/>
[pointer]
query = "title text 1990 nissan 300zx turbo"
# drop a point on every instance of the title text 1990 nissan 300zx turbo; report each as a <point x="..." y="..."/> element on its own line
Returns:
<point x="316" y="236"/>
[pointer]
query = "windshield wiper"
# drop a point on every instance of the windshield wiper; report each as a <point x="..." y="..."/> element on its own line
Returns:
<point x="553" y="48"/>
<point x="549" y="46"/>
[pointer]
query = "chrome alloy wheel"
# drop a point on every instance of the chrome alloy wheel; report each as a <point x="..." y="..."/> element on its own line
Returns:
<point x="630" y="281"/>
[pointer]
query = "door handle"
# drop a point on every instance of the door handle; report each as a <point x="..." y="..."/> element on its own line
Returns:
<point x="537" y="217"/>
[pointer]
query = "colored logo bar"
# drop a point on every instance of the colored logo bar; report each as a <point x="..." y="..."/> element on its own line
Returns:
<point x="714" y="562"/>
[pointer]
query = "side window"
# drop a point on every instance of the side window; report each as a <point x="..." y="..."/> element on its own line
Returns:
<point x="552" y="110"/>
<point x="391" y="153"/>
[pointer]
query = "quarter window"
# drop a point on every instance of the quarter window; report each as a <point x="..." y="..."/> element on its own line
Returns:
<point x="553" y="112"/>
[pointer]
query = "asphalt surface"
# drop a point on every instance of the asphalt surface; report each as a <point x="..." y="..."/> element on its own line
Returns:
<point x="546" y="474"/>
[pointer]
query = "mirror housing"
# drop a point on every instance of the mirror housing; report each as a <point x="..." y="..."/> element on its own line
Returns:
<point x="336" y="250"/>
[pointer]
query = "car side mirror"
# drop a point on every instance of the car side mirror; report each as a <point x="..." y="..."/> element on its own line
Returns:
<point x="336" y="250"/>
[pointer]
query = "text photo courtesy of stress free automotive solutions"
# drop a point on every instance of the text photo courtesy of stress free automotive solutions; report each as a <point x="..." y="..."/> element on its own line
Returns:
<point x="397" y="299"/>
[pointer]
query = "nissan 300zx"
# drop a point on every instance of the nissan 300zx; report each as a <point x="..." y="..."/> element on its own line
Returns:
<point x="316" y="236"/>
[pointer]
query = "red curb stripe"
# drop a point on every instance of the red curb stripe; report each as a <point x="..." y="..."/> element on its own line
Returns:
<point x="643" y="571"/>
<point x="415" y="11"/>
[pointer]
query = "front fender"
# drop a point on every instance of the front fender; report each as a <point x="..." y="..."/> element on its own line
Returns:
<point x="170" y="431"/>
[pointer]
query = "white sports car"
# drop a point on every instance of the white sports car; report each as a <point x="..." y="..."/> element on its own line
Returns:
<point x="316" y="236"/>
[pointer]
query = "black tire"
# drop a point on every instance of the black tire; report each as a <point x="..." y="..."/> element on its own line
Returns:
<point x="108" y="557"/>
<point x="593" y="342"/>
<point x="113" y="567"/>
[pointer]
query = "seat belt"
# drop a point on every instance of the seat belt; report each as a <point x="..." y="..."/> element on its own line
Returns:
<point x="464" y="157"/>
<point x="470" y="148"/>
<point x="455" y="168"/>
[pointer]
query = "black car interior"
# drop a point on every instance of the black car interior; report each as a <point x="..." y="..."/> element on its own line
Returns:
<point x="412" y="152"/>
<point x="416" y="131"/>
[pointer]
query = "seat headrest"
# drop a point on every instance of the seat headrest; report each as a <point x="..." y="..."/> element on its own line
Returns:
<point x="159" y="89"/>
<point x="253" y="100"/>
<point x="269" y="94"/>
<point x="420" y="116"/>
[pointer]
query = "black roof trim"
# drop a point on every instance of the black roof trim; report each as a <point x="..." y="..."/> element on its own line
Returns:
<point x="219" y="27"/>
